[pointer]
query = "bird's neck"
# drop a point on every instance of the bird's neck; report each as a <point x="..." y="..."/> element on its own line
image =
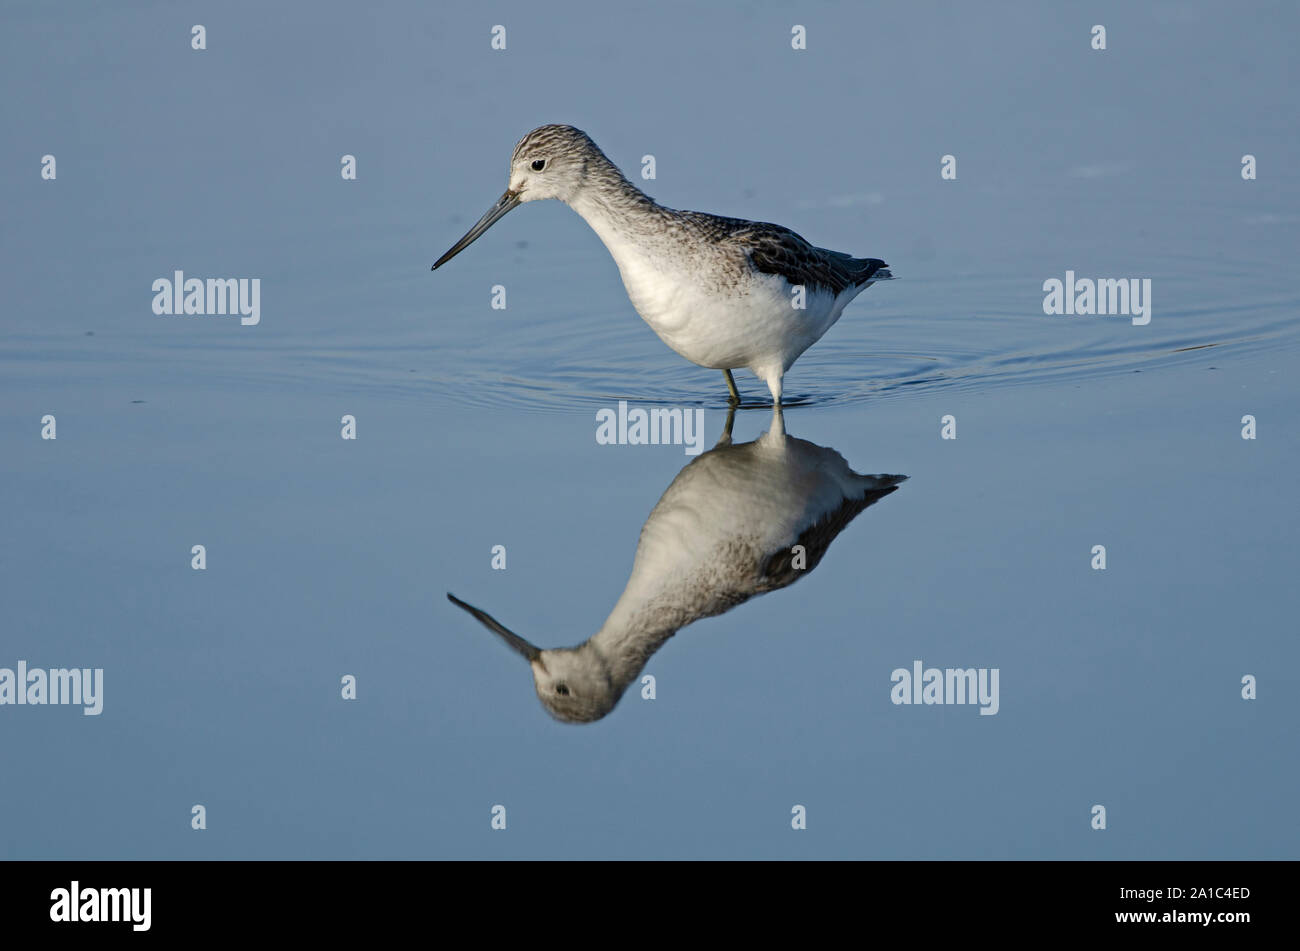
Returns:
<point x="612" y="205"/>
<point x="627" y="641"/>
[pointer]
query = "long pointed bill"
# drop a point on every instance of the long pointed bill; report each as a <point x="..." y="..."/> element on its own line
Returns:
<point x="530" y="652"/>
<point x="504" y="204"/>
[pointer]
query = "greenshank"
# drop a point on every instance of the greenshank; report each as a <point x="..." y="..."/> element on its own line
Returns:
<point x="739" y="520"/>
<point x="724" y="293"/>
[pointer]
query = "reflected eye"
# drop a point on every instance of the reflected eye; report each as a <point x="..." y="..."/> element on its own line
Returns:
<point x="562" y="690"/>
<point x="538" y="165"/>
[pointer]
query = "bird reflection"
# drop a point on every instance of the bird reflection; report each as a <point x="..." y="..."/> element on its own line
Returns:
<point x="738" y="520"/>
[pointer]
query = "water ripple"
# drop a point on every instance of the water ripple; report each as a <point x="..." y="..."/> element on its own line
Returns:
<point x="887" y="346"/>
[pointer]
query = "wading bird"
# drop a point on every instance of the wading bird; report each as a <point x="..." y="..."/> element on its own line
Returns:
<point x="723" y="292"/>
<point x="738" y="520"/>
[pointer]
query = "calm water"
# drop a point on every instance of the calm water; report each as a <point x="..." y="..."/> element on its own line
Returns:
<point x="476" y="428"/>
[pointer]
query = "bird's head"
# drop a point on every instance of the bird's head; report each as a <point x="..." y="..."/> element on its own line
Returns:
<point x="549" y="162"/>
<point x="574" y="684"/>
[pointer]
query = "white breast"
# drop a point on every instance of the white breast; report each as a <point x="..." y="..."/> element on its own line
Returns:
<point x="692" y="301"/>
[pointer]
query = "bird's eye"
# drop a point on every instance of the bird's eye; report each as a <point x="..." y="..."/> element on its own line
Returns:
<point x="562" y="690"/>
<point x="538" y="165"/>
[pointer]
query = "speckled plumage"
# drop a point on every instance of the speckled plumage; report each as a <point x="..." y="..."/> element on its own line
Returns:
<point x="723" y="532"/>
<point x="720" y="291"/>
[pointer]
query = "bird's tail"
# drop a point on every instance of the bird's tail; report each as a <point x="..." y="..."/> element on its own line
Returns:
<point x="876" y="487"/>
<point x="872" y="269"/>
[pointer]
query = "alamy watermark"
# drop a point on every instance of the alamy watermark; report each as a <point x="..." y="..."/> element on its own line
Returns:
<point x="76" y="903"/>
<point x="59" y="685"/>
<point x="657" y="426"/>
<point x="1126" y="297"/>
<point x="214" y="297"/>
<point x="953" y="685"/>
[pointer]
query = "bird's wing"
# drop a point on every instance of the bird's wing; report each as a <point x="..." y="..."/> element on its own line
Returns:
<point x="773" y="249"/>
<point x="779" y="570"/>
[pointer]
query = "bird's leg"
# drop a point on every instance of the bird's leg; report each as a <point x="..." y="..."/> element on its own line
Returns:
<point x="778" y="420"/>
<point x="731" y="386"/>
<point x="725" y="438"/>
<point x="774" y="385"/>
